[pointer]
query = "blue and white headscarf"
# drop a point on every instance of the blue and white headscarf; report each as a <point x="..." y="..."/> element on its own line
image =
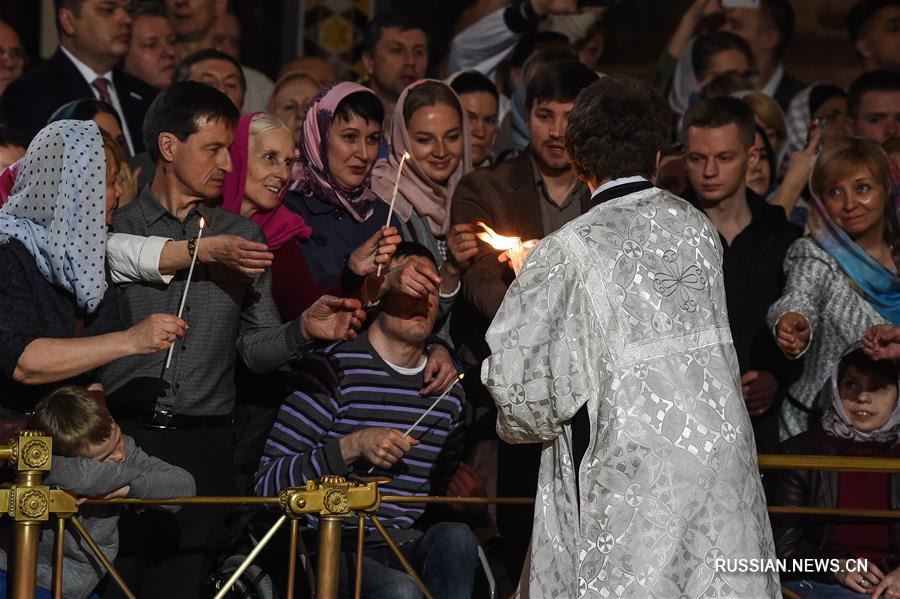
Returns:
<point x="57" y="208"/>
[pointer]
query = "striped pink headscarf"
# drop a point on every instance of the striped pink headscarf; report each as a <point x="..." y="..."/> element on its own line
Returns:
<point x="311" y="173"/>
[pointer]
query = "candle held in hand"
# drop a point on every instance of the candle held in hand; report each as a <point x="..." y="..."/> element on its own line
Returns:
<point x="446" y="392"/>
<point x="187" y="284"/>
<point x="516" y="250"/>
<point x="394" y="198"/>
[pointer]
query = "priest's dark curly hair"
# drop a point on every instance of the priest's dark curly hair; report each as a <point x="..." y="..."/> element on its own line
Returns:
<point x="616" y="128"/>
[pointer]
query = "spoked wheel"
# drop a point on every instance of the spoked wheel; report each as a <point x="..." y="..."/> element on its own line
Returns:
<point x="253" y="583"/>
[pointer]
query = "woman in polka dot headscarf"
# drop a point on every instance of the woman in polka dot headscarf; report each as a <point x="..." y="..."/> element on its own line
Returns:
<point x="55" y="323"/>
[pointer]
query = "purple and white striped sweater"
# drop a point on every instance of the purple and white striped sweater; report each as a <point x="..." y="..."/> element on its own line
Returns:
<point x="348" y="386"/>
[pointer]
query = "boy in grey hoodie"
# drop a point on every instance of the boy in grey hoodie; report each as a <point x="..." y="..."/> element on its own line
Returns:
<point x="93" y="459"/>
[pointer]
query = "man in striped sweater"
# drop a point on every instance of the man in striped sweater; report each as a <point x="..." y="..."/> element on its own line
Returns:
<point x="351" y="404"/>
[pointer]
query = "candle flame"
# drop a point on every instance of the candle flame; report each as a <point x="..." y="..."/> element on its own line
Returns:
<point x="406" y="156"/>
<point x="495" y="240"/>
<point x="202" y="222"/>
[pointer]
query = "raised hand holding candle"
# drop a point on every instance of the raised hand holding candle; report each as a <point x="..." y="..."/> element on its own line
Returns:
<point x="434" y="404"/>
<point x="187" y="284"/>
<point x="394" y="198"/>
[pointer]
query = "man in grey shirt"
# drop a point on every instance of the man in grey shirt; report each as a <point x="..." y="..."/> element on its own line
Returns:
<point x="183" y="413"/>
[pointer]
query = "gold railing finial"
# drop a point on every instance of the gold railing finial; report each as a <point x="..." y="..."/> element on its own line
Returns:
<point x="29" y="503"/>
<point x="332" y="495"/>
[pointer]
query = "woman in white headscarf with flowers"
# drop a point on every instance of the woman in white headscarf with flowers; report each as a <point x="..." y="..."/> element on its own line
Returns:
<point x="860" y="416"/>
<point x="57" y="326"/>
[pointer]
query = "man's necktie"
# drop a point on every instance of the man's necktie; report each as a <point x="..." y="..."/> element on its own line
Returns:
<point x="101" y="84"/>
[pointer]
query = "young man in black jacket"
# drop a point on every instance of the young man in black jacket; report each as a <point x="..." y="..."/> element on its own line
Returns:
<point x="718" y="134"/>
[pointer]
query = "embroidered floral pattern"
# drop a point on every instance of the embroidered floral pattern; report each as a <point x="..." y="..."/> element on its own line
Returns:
<point x="624" y="310"/>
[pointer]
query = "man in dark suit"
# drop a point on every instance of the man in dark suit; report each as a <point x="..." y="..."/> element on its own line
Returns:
<point x="94" y="36"/>
<point x="530" y="196"/>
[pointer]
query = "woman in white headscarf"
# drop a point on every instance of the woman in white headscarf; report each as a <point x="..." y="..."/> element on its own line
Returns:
<point x="822" y="105"/>
<point x="56" y="325"/>
<point x="817" y="115"/>
<point x="861" y="417"/>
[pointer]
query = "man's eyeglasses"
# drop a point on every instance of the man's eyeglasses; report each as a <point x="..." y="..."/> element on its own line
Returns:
<point x="14" y="54"/>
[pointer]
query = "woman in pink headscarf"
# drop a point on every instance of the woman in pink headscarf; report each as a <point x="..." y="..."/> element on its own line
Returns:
<point x="429" y="125"/>
<point x="339" y="143"/>
<point x="262" y="157"/>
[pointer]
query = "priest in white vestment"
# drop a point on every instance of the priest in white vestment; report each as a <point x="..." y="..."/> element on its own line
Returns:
<point x="613" y="348"/>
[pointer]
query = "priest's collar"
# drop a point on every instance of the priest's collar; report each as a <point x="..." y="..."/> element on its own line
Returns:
<point x="616" y="188"/>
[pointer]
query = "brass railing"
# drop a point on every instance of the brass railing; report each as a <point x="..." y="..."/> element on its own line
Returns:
<point x="332" y="499"/>
<point x="832" y="463"/>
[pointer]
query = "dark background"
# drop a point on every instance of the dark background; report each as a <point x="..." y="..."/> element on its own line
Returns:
<point x="820" y="49"/>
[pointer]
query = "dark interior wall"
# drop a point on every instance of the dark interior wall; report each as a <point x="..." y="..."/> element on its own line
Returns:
<point x="269" y="32"/>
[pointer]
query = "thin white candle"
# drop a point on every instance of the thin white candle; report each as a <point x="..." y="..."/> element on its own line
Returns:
<point x="446" y="392"/>
<point x="433" y="405"/>
<point x="394" y="199"/>
<point x="187" y="284"/>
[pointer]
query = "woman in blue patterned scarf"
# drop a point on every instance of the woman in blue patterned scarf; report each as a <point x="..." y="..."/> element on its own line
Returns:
<point x="842" y="277"/>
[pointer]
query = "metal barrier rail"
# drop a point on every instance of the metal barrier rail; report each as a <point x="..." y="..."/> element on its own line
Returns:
<point x="332" y="499"/>
<point x="828" y="462"/>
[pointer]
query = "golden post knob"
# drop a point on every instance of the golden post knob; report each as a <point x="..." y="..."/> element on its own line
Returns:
<point x="33" y="504"/>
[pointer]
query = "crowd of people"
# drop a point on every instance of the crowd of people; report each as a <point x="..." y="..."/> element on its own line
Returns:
<point x="220" y="284"/>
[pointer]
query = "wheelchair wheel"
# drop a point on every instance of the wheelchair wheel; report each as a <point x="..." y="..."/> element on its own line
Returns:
<point x="252" y="584"/>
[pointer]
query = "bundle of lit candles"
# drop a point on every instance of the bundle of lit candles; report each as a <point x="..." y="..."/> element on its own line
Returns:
<point x="515" y="249"/>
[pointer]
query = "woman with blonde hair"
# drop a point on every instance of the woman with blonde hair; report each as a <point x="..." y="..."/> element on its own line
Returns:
<point x="290" y="99"/>
<point x="429" y="126"/>
<point x="262" y="158"/>
<point x="768" y="116"/>
<point x="842" y="277"/>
